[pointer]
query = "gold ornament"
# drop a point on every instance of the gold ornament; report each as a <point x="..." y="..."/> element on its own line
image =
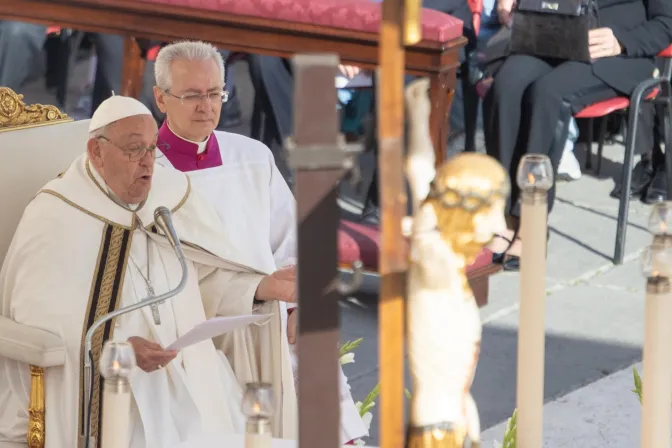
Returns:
<point x="15" y="114"/>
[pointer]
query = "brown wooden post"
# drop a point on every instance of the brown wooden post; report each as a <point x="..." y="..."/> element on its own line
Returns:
<point x="393" y="264"/>
<point x="317" y="154"/>
<point x="132" y="69"/>
<point x="441" y="91"/>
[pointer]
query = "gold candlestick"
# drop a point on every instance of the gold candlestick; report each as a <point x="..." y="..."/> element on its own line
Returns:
<point x="258" y="406"/>
<point x="535" y="178"/>
<point x="116" y="365"/>
<point x="657" y="358"/>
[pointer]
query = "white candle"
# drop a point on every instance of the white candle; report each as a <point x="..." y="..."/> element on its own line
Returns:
<point x="535" y="177"/>
<point x="116" y="364"/>
<point x="116" y="416"/>
<point x="530" y="384"/>
<point x="258" y="440"/>
<point x="657" y="360"/>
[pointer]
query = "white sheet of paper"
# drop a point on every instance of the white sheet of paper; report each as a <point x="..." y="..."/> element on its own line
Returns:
<point x="214" y="327"/>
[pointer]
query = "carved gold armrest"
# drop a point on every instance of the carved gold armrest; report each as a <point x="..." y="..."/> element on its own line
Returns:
<point x="35" y="435"/>
<point x="38" y="350"/>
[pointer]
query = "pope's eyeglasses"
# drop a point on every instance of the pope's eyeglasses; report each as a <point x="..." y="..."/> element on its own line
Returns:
<point x="134" y="154"/>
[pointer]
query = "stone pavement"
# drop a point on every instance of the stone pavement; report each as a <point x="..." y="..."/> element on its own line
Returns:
<point x="594" y="316"/>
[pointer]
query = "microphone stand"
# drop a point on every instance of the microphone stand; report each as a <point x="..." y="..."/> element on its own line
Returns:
<point x="89" y="441"/>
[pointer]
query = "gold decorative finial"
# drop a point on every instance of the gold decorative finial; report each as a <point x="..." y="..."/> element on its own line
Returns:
<point x="413" y="22"/>
<point x="15" y="114"/>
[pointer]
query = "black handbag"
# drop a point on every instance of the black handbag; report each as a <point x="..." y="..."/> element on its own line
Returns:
<point x="556" y="29"/>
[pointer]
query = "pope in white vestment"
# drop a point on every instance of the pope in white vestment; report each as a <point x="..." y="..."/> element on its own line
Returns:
<point x="81" y="251"/>
<point x="236" y="174"/>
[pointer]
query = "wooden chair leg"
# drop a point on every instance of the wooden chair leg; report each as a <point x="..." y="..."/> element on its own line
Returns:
<point x="132" y="69"/>
<point x="441" y="97"/>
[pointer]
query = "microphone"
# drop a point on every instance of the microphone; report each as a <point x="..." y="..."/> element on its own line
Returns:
<point x="164" y="219"/>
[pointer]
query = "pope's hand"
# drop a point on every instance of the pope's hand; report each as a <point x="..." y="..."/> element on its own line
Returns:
<point x="602" y="43"/>
<point x="150" y="356"/>
<point x="291" y="326"/>
<point x="280" y="285"/>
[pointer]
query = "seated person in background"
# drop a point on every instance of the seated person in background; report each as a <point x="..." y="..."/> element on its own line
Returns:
<point x="649" y="179"/>
<point x="21" y="46"/>
<point x="531" y="101"/>
<point x="236" y="174"/>
<point x="96" y="221"/>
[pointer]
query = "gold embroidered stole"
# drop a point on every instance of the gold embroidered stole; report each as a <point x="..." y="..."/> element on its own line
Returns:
<point x="105" y="297"/>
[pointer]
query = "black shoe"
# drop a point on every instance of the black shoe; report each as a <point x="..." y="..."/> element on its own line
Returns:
<point x="657" y="190"/>
<point x="508" y="262"/>
<point x="512" y="262"/>
<point x="370" y="214"/>
<point x="642" y="175"/>
<point x="231" y="115"/>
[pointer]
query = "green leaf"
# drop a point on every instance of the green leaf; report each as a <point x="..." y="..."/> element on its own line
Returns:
<point x="509" y="440"/>
<point x="408" y="394"/>
<point x="638" y="384"/>
<point x="350" y="346"/>
<point x="369" y="402"/>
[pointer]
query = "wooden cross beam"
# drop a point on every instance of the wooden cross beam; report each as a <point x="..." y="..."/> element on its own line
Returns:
<point x="320" y="158"/>
<point x="394" y="34"/>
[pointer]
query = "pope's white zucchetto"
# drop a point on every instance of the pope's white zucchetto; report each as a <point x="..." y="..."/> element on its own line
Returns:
<point x="116" y="108"/>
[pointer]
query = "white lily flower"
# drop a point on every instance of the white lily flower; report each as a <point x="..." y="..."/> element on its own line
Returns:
<point x="367" y="418"/>
<point x="348" y="358"/>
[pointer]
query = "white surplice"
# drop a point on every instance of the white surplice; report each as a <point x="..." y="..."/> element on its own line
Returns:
<point x="259" y="211"/>
<point x="76" y="252"/>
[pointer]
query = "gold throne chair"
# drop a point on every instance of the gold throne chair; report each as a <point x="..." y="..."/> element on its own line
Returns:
<point x="37" y="143"/>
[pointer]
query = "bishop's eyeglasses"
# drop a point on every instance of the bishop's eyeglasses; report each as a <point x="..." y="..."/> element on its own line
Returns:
<point x="193" y="99"/>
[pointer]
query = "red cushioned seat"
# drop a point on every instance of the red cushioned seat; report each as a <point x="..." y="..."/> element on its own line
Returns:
<point x="355" y="15"/>
<point x="358" y="242"/>
<point x="361" y="242"/>
<point x="606" y="107"/>
<point x="666" y="53"/>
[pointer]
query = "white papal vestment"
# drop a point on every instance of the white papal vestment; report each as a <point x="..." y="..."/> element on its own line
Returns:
<point x="256" y="205"/>
<point x="77" y="255"/>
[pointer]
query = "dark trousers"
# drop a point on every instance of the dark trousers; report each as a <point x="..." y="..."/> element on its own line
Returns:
<point x="273" y="83"/>
<point x="110" y="57"/>
<point x="20" y="46"/>
<point x="528" y="108"/>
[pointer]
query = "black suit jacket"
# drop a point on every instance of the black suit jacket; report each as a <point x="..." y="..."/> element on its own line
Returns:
<point x="643" y="28"/>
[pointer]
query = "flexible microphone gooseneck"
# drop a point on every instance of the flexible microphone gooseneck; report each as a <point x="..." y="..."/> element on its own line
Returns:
<point x="164" y="220"/>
